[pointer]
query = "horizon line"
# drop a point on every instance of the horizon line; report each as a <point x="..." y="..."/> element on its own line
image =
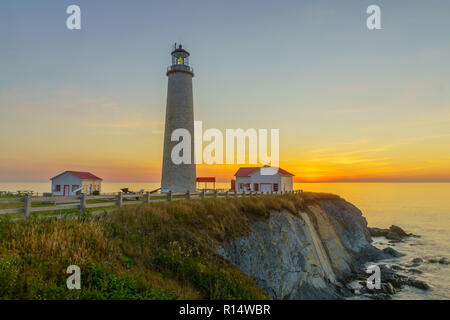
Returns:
<point x="228" y="181"/>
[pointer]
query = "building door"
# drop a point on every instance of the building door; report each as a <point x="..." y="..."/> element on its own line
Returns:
<point x="66" y="190"/>
<point x="266" y="187"/>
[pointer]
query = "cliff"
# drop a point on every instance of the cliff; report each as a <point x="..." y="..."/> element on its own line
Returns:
<point x="306" y="254"/>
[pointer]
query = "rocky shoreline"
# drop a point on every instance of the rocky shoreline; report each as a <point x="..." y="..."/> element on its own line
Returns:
<point x="391" y="280"/>
<point x="322" y="252"/>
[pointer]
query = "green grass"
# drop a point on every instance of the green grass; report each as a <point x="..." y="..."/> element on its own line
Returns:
<point x="164" y="250"/>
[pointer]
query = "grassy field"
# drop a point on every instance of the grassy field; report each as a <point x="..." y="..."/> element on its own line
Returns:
<point x="164" y="250"/>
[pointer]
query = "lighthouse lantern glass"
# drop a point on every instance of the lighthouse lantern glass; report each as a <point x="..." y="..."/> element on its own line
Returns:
<point x="180" y="58"/>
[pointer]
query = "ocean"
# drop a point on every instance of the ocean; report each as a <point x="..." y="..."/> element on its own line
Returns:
<point x="420" y="208"/>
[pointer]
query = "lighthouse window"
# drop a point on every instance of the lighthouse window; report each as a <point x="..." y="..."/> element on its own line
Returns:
<point x="180" y="60"/>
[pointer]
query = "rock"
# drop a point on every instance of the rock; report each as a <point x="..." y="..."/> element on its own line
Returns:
<point x="392" y="252"/>
<point x="399" y="231"/>
<point x="307" y="255"/>
<point x="380" y="296"/>
<point x="417" y="260"/>
<point x="387" y="288"/>
<point x="393" y="236"/>
<point x="283" y="257"/>
<point x="417" y="284"/>
<point x="365" y="290"/>
<point x="396" y="282"/>
<point x="315" y="253"/>
<point x="344" y="291"/>
<point x="394" y="233"/>
<point x="377" y="232"/>
<point x="440" y="260"/>
<point x="395" y="267"/>
<point x="389" y="275"/>
<point x="415" y="271"/>
<point x="354" y="286"/>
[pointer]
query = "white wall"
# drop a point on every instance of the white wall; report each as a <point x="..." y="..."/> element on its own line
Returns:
<point x="243" y="180"/>
<point x="71" y="180"/>
<point x="284" y="182"/>
<point x="256" y="177"/>
<point x="287" y="184"/>
<point x="65" y="179"/>
<point x="90" y="186"/>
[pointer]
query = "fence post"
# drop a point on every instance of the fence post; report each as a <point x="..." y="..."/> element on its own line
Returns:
<point x="169" y="195"/>
<point x="243" y="193"/>
<point x="188" y="195"/>
<point x="215" y="193"/>
<point x="251" y="192"/>
<point x="26" y="206"/>
<point x="147" y="197"/>
<point x="119" y="200"/>
<point x="82" y="202"/>
<point x="226" y="195"/>
<point x="203" y="194"/>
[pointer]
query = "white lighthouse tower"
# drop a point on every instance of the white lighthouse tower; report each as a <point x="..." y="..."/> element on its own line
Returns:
<point x="179" y="115"/>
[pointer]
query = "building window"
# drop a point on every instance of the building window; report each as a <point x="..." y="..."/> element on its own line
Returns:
<point x="74" y="187"/>
<point x="58" y="188"/>
<point x="256" y="187"/>
<point x="241" y="186"/>
<point x="275" y="187"/>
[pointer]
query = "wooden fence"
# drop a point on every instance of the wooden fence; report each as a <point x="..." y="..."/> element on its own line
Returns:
<point x="119" y="200"/>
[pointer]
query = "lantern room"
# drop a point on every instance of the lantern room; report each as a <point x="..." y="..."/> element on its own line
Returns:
<point x="180" y="56"/>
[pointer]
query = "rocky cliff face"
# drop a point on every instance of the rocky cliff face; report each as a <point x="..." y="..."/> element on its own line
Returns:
<point x="307" y="255"/>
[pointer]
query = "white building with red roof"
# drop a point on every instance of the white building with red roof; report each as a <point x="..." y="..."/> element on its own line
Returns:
<point x="263" y="179"/>
<point x="69" y="182"/>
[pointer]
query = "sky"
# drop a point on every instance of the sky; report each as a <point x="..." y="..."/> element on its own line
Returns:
<point x="351" y="104"/>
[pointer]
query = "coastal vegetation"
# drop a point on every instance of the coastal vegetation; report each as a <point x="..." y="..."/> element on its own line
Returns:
<point x="164" y="250"/>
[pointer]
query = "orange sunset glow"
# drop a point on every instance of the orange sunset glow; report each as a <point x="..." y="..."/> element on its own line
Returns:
<point x="377" y="112"/>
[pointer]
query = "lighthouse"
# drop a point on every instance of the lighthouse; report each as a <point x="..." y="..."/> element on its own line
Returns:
<point x="179" y="178"/>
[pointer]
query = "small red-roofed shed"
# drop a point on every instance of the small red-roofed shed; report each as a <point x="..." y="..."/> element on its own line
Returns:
<point x="263" y="179"/>
<point x="205" y="180"/>
<point x="70" y="183"/>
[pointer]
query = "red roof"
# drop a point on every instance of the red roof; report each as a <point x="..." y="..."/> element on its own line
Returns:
<point x="247" y="171"/>
<point x="206" y="179"/>
<point x="81" y="175"/>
